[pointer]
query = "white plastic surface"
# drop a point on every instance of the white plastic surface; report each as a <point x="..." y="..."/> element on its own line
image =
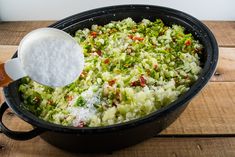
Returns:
<point x="14" y="69"/>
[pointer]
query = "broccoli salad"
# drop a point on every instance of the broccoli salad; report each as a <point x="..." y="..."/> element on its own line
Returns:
<point x="131" y="70"/>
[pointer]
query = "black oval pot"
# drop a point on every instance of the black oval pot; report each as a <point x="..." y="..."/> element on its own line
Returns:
<point x="114" y="137"/>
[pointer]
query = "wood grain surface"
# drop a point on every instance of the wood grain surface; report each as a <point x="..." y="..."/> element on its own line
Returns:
<point x="157" y="147"/>
<point x="205" y="128"/>
<point x="224" y="32"/>
<point x="12" y="32"/>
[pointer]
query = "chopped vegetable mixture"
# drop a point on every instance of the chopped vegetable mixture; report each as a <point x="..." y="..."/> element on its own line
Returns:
<point x="131" y="70"/>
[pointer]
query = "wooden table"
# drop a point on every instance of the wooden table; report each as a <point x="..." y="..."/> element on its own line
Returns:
<point x="206" y="128"/>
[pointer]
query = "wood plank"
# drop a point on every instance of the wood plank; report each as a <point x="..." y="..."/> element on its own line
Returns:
<point x="158" y="147"/>
<point x="224" y="32"/>
<point x="6" y="52"/>
<point x="225" y="72"/>
<point x="12" y="32"/>
<point x="209" y="113"/>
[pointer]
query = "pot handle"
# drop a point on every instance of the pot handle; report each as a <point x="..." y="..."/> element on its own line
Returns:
<point x="17" y="135"/>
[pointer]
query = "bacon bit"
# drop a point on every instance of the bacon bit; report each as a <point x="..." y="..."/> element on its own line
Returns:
<point x="69" y="97"/>
<point x="134" y="83"/>
<point x="130" y="36"/>
<point x="187" y="42"/>
<point x="138" y="38"/>
<point x="83" y="74"/>
<point x="113" y="104"/>
<point x="148" y="72"/>
<point x="155" y="66"/>
<point x="106" y="61"/>
<point x="81" y="124"/>
<point x="99" y="52"/>
<point x="186" y="77"/>
<point x="118" y="95"/>
<point x="94" y="34"/>
<point x="36" y="100"/>
<point x="142" y="81"/>
<point x="50" y="102"/>
<point x="111" y="82"/>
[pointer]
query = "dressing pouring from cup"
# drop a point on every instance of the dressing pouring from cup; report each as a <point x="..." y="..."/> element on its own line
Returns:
<point x="48" y="56"/>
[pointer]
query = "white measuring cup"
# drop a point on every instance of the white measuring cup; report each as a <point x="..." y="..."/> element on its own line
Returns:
<point x="48" y="56"/>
